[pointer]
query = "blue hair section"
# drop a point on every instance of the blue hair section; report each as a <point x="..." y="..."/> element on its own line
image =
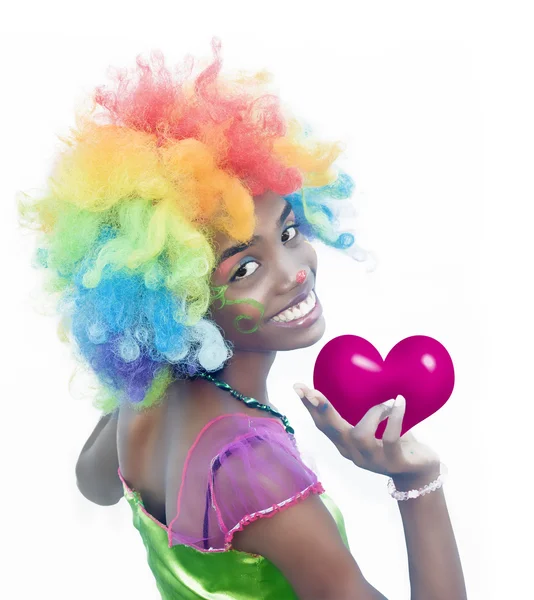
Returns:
<point x="315" y="209"/>
<point x="130" y="326"/>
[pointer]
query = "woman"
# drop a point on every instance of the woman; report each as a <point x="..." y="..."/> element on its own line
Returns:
<point x="178" y="227"/>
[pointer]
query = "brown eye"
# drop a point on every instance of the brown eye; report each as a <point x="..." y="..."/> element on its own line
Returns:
<point x="289" y="233"/>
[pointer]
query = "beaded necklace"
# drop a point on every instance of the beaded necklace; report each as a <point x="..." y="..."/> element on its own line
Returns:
<point x="248" y="401"/>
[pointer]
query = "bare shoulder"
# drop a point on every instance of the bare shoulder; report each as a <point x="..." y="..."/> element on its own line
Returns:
<point x="303" y="541"/>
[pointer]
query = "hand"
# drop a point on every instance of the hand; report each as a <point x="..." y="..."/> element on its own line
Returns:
<point x="402" y="458"/>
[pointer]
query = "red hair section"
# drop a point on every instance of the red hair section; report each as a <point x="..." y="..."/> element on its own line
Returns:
<point x="236" y="118"/>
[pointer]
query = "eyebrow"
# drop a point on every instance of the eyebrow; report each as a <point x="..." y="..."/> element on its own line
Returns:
<point x="240" y="247"/>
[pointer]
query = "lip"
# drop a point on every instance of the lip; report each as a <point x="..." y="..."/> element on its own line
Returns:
<point x="305" y="321"/>
<point x="296" y="300"/>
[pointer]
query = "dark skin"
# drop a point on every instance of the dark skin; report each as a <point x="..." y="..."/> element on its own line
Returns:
<point x="277" y="254"/>
<point x="266" y="273"/>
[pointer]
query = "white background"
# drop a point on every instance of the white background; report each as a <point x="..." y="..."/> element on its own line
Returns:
<point x="435" y="103"/>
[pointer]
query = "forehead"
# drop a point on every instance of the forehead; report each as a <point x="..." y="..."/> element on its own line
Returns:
<point x="267" y="209"/>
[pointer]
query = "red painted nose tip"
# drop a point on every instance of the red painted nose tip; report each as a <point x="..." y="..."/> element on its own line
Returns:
<point x="301" y="276"/>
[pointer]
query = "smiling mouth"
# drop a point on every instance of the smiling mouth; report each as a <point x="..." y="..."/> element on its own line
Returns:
<point x="297" y="312"/>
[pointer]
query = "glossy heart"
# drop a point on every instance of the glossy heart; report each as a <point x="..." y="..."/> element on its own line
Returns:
<point x="350" y="372"/>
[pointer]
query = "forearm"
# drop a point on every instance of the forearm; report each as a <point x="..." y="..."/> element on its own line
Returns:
<point x="96" y="469"/>
<point x="434" y="561"/>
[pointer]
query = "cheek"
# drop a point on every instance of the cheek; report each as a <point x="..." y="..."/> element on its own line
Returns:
<point x="222" y="274"/>
<point x="238" y="315"/>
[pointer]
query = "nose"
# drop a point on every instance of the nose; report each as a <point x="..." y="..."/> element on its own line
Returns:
<point x="292" y="276"/>
<point x="301" y="276"/>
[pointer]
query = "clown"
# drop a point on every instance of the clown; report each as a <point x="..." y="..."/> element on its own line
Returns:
<point x="176" y="234"/>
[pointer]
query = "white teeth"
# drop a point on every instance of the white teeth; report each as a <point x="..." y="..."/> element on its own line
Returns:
<point x="298" y="311"/>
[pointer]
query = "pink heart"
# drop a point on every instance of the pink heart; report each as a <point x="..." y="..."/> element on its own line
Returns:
<point x="350" y="372"/>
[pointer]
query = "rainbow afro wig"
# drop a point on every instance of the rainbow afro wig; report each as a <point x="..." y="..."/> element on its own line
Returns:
<point x="160" y="162"/>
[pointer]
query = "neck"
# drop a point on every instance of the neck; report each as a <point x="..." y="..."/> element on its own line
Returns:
<point x="247" y="373"/>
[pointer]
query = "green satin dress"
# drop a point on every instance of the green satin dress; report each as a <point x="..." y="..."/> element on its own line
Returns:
<point x="185" y="573"/>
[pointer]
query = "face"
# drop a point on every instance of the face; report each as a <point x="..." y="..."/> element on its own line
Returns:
<point x="259" y="281"/>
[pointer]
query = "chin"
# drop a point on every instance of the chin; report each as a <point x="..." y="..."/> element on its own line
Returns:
<point x="306" y="337"/>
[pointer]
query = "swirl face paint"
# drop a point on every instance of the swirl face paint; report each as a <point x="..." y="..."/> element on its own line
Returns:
<point x="218" y="293"/>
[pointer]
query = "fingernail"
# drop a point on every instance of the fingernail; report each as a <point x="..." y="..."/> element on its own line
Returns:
<point x="301" y="394"/>
<point x="299" y="391"/>
<point x="305" y="393"/>
<point x="400" y="400"/>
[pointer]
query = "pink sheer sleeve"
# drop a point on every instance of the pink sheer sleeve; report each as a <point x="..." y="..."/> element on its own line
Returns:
<point x="240" y="469"/>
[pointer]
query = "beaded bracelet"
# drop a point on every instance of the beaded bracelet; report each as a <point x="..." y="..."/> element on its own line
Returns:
<point x="427" y="489"/>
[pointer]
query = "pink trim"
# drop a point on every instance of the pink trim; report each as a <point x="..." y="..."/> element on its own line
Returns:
<point x="213" y="496"/>
<point x="190" y="452"/>
<point x="168" y="528"/>
<point x="141" y="505"/>
<point x="316" y="488"/>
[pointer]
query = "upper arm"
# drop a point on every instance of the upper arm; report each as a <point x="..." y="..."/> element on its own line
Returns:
<point x="300" y="537"/>
<point x="97" y="482"/>
<point x="304" y="543"/>
<point x="98" y="463"/>
<point x="258" y="496"/>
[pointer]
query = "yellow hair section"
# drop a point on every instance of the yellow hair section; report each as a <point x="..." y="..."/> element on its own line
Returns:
<point x="161" y="163"/>
<point x="312" y="157"/>
<point x="206" y="193"/>
<point x="105" y="164"/>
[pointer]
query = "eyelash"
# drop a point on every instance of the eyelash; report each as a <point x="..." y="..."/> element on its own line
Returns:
<point x="294" y="226"/>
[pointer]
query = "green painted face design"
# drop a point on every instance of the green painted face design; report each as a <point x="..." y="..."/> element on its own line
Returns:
<point x="218" y="293"/>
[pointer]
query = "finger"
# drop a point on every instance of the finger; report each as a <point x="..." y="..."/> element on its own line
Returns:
<point x="304" y="393"/>
<point x="368" y="424"/>
<point x="323" y="413"/>
<point x="363" y="434"/>
<point x="394" y="425"/>
<point x="314" y="400"/>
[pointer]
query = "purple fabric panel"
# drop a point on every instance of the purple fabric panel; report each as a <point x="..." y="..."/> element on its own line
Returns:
<point x="262" y="472"/>
<point x="239" y="466"/>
